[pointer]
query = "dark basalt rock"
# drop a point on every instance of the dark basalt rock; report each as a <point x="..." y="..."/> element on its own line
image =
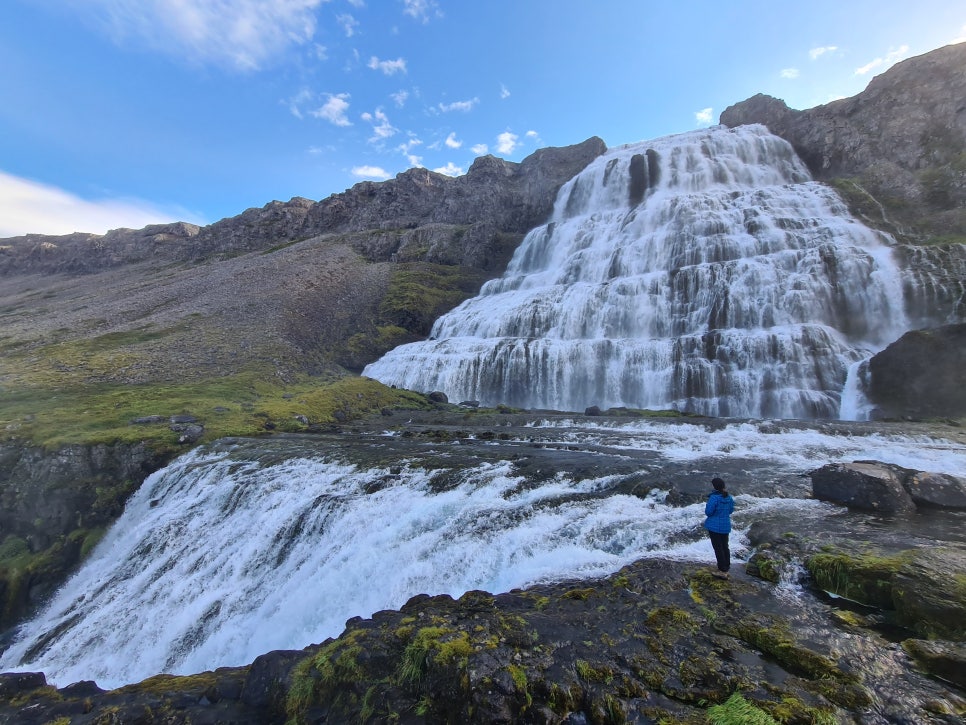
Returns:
<point x="866" y="486"/>
<point x="922" y="374"/>
<point x="901" y="141"/>
<point x="946" y="660"/>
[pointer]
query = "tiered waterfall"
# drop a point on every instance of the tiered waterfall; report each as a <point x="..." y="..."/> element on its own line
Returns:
<point x="704" y="272"/>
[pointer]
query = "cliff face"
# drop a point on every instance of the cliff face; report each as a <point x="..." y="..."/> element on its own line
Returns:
<point x="901" y="142"/>
<point x="495" y="197"/>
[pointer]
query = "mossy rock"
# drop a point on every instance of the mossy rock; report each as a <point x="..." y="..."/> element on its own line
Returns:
<point x="929" y="593"/>
<point x="866" y="578"/>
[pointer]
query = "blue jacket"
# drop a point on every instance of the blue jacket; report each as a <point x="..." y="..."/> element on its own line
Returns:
<point x="718" y="510"/>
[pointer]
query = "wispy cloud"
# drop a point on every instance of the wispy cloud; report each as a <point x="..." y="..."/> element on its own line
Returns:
<point x="480" y="149"/>
<point x="400" y="98"/>
<point x="507" y="143"/>
<point x="347" y="23"/>
<point x="30" y="207"/>
<point x="961" y="38"/>
<point x="298" y="101"/>
<point x="816" y="53"/>
<point x="463" y="106"/>
<point x="239" y="34"/>
<point x="334" y="110"/>
<point x="452" y="142"/>
<point x="894" y="55"/>
<point x="789" y="73"/>
<point x="370" y="172"/>
<point x="380" y="125"/>
<point x="421" y="9"/>
<point x="450" y="169"/>
<point x="704" y="116"/>
<point x="504" y="93"/>
<point x="407" y="150"/>
<point x="389" y="67"/>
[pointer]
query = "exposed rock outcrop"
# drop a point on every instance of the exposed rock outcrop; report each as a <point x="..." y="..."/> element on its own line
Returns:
<point x="902" y="141"/>
<point x="866" y="486"/>
<point x="886" y="488"/>
<point x="922" y="374"/>
<point x="420" y="214"/>
<point x="54" y="506"/>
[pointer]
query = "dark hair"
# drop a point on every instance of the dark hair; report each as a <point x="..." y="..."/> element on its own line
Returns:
<point x="719" y="484"/>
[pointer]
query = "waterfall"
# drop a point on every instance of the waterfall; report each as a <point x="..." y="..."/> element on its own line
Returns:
<point x="244" y="547"/>
<point x="703" y="272"/>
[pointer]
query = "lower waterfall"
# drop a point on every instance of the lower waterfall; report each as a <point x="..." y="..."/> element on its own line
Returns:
<point x="704" y="272"/>
<point x="243" y="547"/>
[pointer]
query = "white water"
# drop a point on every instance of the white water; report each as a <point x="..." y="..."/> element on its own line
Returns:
<point x="717" y="278"/>
<point x="219" y="558"/>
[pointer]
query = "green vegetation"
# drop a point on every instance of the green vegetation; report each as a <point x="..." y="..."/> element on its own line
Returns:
<point x="865" y="578"/>
<point x="738" y="711"/>
<point x="239" y="405"/>
<point x="419" y="293"/>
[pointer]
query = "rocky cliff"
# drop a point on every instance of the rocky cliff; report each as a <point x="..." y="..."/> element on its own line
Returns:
<point x="419" y="215"/>
<point x="897" y="150"/>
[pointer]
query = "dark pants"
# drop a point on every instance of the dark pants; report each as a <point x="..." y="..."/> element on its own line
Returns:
<point x="721" y="551"/>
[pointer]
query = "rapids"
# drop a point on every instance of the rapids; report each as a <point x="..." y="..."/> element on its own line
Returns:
<point x="704" y="272"/>
<point x="246" y="546"/>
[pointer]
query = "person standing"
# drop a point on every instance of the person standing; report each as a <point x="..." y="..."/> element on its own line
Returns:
<point x="718" y="523"/>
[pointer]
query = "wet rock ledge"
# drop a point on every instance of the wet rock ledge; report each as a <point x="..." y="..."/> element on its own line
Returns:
<point x="659" y="641"/>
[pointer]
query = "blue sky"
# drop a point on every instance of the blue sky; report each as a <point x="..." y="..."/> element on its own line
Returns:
<point x="128" y="112"/>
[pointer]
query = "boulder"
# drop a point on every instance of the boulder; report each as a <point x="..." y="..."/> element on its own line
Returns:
<point x="946" y="660"/>
<point x="936" y="490"/>
<point x="922" y="374"/>
<point x="437" y="396"/>
<point x="866" y="486"/>
<point x="929" y="593"/>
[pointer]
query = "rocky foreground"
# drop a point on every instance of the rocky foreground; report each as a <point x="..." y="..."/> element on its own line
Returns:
<point x="859" y="619"/>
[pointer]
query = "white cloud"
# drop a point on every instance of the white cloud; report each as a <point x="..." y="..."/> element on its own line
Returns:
<point x="296" y="102"/>
<point x="532" y="135"/>
<point x="816" y="53"/>
<point x="480" y="149"/>
<point x="421" y="9"/>
<point x="407" y="150"/>
<point x="450" y="169"/>
<point x="357" y="3"/>
<point x="348" y="23"/>
<point x="380" y="125"/>
<point x="894" y="55"/>
<point x="507" y="143"/>
<point x="704" y="116"/>
<point x="459" y="105"/>
<point x="30" y="207"/>
<point x="239" y="34"/>
<point x="961" y="38"/>
<point x="400" y="98"/>
<point x="452" y="142"/>
<point x="504" y="93"/>
<point x="389" y="67"/>
<point x="370" y="172"/>
<point x="334" y="110"/>
<point x="789" y="73"/>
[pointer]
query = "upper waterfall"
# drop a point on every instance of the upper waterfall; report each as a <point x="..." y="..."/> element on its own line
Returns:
<point x="704" y="272"/>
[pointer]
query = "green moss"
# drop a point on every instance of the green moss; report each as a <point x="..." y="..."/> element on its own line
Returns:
<point x="238" y="405"/>
<point x="418" y="293"/>
<point x="579" y="594"/>
<point x="519" y="677"/>
<point x="738" y="711"/>
<point x="863" y="578"/>
<point x="590" y="673"/>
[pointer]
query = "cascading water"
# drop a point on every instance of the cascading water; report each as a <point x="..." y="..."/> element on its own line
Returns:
<point x="703" y="272"/>
<point x="245" y="547"/>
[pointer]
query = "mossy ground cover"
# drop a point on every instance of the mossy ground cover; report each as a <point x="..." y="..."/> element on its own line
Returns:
<point x="245" y="404"/>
